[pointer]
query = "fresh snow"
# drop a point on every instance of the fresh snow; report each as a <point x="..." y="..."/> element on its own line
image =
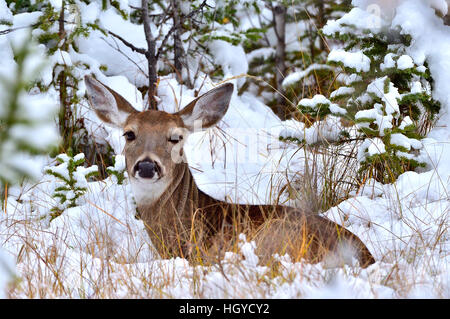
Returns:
<point x="356" y="60"/>
<point x="388" y="62"/>
<point x="232" y="58"/>
<point x="406" y="142"/>
<point x="343" y="90"/>
<point x="405" y="62"/>
<point x="298" y="75"/>
<point x="318" y="99"/>
<point x="101" y="244"/>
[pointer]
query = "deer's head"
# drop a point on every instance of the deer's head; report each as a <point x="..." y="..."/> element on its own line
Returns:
<point x="154" y="139"/>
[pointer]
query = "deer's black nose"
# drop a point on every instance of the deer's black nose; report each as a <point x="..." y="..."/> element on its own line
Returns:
<point x="146" y="169"/>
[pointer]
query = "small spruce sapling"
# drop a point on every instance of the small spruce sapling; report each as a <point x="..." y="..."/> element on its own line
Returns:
<point x="118" y="171"/>
<point x="72" y="176"/>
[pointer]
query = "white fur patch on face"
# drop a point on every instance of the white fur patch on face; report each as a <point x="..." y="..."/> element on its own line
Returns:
<point x="146" y="179"/>
<point x="147" y="191"/>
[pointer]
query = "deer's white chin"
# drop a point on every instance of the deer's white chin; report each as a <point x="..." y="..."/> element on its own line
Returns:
<point x="146" y="180"/>
<point x="147" y="190"/>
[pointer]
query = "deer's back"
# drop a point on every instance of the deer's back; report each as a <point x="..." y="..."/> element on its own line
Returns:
<point x="278" y="229"/>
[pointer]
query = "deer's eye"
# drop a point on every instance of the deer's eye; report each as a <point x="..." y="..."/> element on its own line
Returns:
<point x="175" y="138"/>
<point x="129" y="135"/>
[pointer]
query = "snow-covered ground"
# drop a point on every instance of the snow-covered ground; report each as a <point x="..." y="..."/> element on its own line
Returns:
<point x="99" y="249"/>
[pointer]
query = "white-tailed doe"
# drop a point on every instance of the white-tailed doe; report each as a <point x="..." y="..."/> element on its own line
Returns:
<point x="182" y="220"/>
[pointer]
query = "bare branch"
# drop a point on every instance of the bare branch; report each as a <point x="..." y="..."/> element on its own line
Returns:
<point x="150" y="55"/>
<point x="128" y="44"/>
<point x="117" y="48"/>
<point x="178" y="48"/>
<point x="6" y="31"/>
<point x="177" y="25"/>
<point x="145" y="19"/>
<point x="279" y="26"/>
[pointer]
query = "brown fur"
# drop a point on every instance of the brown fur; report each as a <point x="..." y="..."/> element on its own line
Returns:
<point x="186" y="222"/>
<point x="180" y="219"/>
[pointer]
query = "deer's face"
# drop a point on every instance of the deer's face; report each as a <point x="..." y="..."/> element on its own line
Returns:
<point x="155" y="139"/>
<point x="154" y="145"/>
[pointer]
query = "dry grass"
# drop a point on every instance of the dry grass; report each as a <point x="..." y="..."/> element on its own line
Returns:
<point x="50" y="266"/>
<point x="98" y="252"/>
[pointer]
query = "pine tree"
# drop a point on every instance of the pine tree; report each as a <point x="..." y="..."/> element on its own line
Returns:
<point x="308" y="61"/>
<point x="58" y="29"/>
<point x="299" y="68"/>
<point x="386" y="94"/>
<point x="26" y="117"/>
<point x="72" y="176"/>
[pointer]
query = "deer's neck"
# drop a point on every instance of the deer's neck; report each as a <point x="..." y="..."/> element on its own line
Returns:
<point x="180" y="194"/>
<point x="169" y="219"/>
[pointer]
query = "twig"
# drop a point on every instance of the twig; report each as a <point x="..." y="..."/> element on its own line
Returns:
<point x="126" y="56"/>
<point x="3" y="32"/>
<point x="150" y="55"/>
<point x="128" y="44"/>
<point x="176" y="25"/>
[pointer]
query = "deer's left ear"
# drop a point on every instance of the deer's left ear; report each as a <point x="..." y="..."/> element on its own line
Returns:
<point x="109" y="105"/>
<point x="208" y="108"/>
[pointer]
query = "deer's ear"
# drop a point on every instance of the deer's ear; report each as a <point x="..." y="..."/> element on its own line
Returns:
<point x="208" y="109"/>
<point x="109" y="105"/>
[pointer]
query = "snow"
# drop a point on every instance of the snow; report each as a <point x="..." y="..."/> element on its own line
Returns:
<point x="376" y="146"/>
<point x="100" y="249"/>
<point x="416" y="87"/>
<point x="388" y="62"/>
<point x="79" y="157"/>
<point x="389" y="98"/>
<point x="318" y="99"/>
<point x="264" y="53"/>
<point x="25" y="19"/>
<point x="383" y="121"/>
<point x="348" y="79"/>
<point x="406" y="142"/>
<point x="357" y="17"/>
<point x="440" y="5"/>
<point x="5" y="13"/>
<point x="62" y="57"/>
<point x="7" y="272"/>
<point x="336" y="109"/>
<point x="110" y="51"/>
<point x="343" y="90"/>
<point x="406" y="122"/>
<point x="354" y="60"/>
<point x="430" y="41"/>
<point x="324" y="131"/>
<point x="231" y="58"/>
<point x="405" y="62"/>
<point x="300" y="74"/>
<point x="56" y="4"/>
<point x="119" y="164"/>
<point x="37" y="110"/>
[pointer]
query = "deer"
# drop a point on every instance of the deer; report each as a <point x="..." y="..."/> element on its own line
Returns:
<point x="183" y="221"/>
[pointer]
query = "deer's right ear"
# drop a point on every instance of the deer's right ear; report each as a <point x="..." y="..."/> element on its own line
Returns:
<point x="109" y="105"/>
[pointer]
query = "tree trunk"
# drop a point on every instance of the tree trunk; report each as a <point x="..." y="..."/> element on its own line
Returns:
<point x="279" y="20"/>
<point x="321" y="22"/>
<point x="65" y="108"/>
<point x="151" y="58"/>
<point x="177" y="45"/>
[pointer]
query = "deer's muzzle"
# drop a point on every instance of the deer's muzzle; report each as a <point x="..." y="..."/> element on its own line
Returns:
<point x="147" y="169"/>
